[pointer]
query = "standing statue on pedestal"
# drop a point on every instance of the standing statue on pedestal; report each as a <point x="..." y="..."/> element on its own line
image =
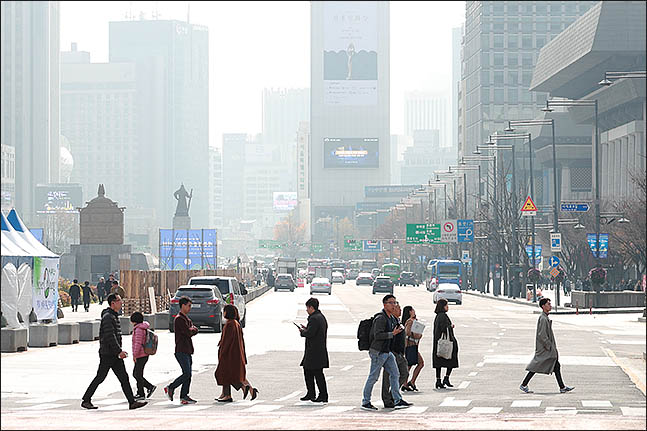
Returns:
<point x="181" y="195"/>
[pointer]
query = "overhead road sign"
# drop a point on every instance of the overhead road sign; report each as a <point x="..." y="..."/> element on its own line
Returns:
<point x="465" y="230"/>
<point x="556" y="242"/>
<point x="416" y="233"/>
<point x="529" y="208"/>
<point x="448" y="231"/>
<point x="374" y="246"/>
<point x="604" y="244"/>
<point x="352" y="245"/>
<point x="574" y="207"/>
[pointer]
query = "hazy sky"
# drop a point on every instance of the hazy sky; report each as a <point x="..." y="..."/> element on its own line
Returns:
<point x="256" y="45"/>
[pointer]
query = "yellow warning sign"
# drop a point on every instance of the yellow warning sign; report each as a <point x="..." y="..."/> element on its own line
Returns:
<point x="529" y="205"/>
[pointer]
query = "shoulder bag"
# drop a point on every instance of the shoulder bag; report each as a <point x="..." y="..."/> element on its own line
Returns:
<point x="445" y="346"/>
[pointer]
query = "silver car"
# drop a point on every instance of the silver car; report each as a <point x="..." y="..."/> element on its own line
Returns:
<point x="320" y="284"/>
<point x="449" y="291"/>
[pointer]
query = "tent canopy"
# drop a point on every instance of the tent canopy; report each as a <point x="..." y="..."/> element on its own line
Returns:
<point x="18" y="241"/>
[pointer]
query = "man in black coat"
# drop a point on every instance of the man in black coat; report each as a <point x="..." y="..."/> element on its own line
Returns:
<point x="75" y="294"/>
<point x="315" y="358"/>
<point x="111" y="355"/>
<point x="101" y="290"/>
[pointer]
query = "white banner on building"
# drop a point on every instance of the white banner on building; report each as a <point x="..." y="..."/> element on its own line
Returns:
<point x="45" y="299"/>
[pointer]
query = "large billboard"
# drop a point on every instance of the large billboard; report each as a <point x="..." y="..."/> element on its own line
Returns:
<point x="188" y="249"/>
<point x="58" y="198"/>
<point x="351" y="153"/>
<point x="284" y="201"/>
<point x="350" y="53"/>
<point x="391" y="191"/>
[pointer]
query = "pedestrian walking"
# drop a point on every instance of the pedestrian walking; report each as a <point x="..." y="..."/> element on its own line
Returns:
<point x="397" y="348"/>
<point x="117" y="289"/>
<point x="184" y="330"/>
<point x="383" y="330"/>
<point x="140" y="357"/>
<point x="101" y="290"/>
<point x="315" y="356"/>
<point x="546" y="359"/>
<point x="231" y="370"/>
<point x="75" y="294"/>
<point x="412" y="349"/>
<point x="111" y="356"/>
<point x="444" y="326"/>
<point x="87" y="296"/>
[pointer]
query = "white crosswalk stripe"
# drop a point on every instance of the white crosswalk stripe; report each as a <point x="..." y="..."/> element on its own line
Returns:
<point x="596" y="403"/>
<point x="633" y="411"/>
<point x="44" y="406"/>
<point x="451" y="402"/>
<point x="262" y="408"/>
<point x="526" y="403"/>
<point x="485" y="410"/>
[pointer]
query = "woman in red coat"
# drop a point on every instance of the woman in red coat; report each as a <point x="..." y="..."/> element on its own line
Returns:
<point x="231" y="358"/>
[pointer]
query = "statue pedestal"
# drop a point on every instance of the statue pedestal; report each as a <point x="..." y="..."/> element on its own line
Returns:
<point x="181" y="222"/>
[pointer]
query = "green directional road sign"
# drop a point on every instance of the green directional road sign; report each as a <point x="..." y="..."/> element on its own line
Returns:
<point x="316" y="248"/>
<point x="416" y="233"/>
<point x="433" y="233"/>
<point x="352" y="245"/>
<point x="269" y="243"/>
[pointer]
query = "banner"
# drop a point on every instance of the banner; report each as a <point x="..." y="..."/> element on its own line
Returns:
<point x="188" y="249"/>
<point x="45" y="299"/>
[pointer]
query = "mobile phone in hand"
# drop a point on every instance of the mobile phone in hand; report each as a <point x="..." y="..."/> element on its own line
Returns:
<point x="298" y="326"/>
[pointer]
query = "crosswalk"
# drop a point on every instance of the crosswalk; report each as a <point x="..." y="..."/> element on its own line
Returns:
<point x="287" y="403"/>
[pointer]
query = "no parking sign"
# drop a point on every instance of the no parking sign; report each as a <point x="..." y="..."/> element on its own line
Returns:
<point x="448" y="232"/>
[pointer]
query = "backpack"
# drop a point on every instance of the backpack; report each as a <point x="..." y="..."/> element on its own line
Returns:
<point x="150" y="343"/>
<point x="364" y="333"/>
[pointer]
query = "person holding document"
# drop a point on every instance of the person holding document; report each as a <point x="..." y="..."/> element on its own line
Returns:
<point x="315" y="357"/>
<point x="413" y="329"/>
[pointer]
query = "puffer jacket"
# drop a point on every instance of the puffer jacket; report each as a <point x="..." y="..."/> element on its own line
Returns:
<point x="139" y="338"/>
<point x="109" y="333"/>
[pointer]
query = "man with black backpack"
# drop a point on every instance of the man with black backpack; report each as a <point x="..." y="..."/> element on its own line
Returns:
<point x="383" y="329"/>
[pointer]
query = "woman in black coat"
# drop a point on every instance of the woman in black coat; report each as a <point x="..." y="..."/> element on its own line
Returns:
<point x="442" y="324"/>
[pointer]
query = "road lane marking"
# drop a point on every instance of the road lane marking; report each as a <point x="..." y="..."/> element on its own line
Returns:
<point x="41" y="400"/>
<point x="500" y="333"/>
<point x="464" y="384"/>
<point x="262" y="408"/>
<point x="287" y="397"/>
<point x="526" y="403"/>
<point x="113" y="407"/>
<point x="485" y="410"/>
<point x="45" y="406"/>
<point x="472" y="374"/>
<point x="490" y="350"/>
<point x="110" y="401"/>
<point x="480" y="364"/>
<point x="632" y="411"/>
<point x="634" y="378"/>
<point x="184" y="409"/>
<point x="561" y="410"/>
<point x="451" y="402"/>
<point x="596" y="403"/>
<point x="599" y="361"/>
<point x="333" y="410"/>
<point x="495" y="344"/>
<point x="416" y="410"/>
<point x="347" y="367"/>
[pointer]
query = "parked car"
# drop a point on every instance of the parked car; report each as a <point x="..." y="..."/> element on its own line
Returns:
<point x="231" y="290"/>
<point x="375" y="272"/>
<point x="338" y="277"/>
<point x="383" y="283"/>
<point x="320" y="284"/>
<point x="450" y="291"/>
<point x="284" y="281"/>
<point x="364" y="278"/>
<point x="407" y="277"/>
<point x="206" y="308"/>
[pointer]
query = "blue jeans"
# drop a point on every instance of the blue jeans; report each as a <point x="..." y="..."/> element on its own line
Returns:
<point x="186" y="361"/>
<point x="387" y="361"/>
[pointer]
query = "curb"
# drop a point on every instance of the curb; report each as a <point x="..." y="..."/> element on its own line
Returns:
<point x="594" y="311"/>
<point x="499" y="298"/>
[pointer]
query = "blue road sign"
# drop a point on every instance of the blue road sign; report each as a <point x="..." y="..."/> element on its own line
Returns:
<point x="465" y="230"/>
<point x="374" y="246"/>
<point x="553" y="261"/>
<point x="537" y="253"/>
<point x="604" y="244"/>
<point x="577" y="208"/>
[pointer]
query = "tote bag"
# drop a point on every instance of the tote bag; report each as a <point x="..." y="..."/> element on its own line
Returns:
<point x="445" y="346"/>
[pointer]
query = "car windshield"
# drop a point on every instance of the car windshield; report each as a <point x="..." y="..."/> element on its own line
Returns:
<point x="222" y="284"/>
<point x="448" y="269"/>
<point x="195" y="293"/>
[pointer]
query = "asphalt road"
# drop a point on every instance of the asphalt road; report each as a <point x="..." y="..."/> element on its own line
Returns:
<point x="600" y="356"/>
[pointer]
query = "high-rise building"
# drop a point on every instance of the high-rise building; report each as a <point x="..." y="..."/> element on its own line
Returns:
<point x="172" y="63"/>
<point x="29" y="95"/>
<point x="457" y="36"/>
<point x="215" y="188"/>
<point x="8" y="175"/>
<point x="500" y="49"/>
<point x="233" y="165"/>
<point x="425" y="156"/>
<point x="350" y="98"/>
<point x="303" y="161"/>
<point x="283" y="110"/>
<point x="426" y="111"/>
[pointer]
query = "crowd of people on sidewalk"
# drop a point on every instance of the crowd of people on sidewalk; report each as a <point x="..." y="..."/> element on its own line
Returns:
<point x="391" y="337"/>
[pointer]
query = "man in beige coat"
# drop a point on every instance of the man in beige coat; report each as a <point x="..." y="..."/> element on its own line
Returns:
<point x="546" y="356"/>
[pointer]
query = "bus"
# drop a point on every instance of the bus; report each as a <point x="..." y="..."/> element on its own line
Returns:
<point x="367" y="265"/>
<point x="443" y="271"/>
<point x="391" y="270"/>
<point x="302" y="264"/>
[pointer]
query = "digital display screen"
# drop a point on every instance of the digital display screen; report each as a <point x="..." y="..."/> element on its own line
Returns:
<point x="58" y="198"/>
<point x="351" y="153"/>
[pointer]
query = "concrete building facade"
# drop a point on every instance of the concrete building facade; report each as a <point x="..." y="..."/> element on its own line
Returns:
<point x="215" y="188"/>
<point x="427" y="111"/>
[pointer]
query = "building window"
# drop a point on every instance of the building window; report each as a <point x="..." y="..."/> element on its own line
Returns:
<point x="498" y="95"/>
<point x="498" y="41"/>
<point x="581" y="179"/>
<point x="513" y="96"/>
<point x="498" y="77"/>
<point x="513" y="41"/>
<point x="498" y="59"/>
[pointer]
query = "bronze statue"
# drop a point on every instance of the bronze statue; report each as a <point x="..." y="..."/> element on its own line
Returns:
<point x="181" y="195"/>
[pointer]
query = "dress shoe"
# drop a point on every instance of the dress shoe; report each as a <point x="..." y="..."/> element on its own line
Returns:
<point x="137" y="404"/>
<point x="446" y="382"/>
<point x="320" y="399"/>
<point x="308" y="398"/>
<point x="245" y="391"/>
<point x="439" y="384"/>
<point x="254" y="393"/>
<point x="88" y="405"/>
<point x="225" y="400"/>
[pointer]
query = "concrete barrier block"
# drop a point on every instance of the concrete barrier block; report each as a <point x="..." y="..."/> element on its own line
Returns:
<point x="68" y="333"/>
<point x="126" y="325"/>
<point x="43" y="335"/>
<point x="89" y="330"/>
<point x="161" y="320"/>
<point x="14" y="340"/>
<point x="151" y="319"/>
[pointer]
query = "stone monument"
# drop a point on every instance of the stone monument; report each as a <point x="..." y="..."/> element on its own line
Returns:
<point x="101" y="250"/>
<point x="181" y="219"/>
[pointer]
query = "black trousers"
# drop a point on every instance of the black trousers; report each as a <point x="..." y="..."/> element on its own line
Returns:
<point x="138" y="374"/>
<point x="106" y="363"/>
<point x="447" y="374"/>
<point x="75" y="303"/>
<point x="86" y="303"/>
<point x="558" y="375"/>
<point x="315" y="374"/>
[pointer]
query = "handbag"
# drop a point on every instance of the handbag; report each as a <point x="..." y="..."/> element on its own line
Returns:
<point x="445" y="346"/>
<point x="411" y="354"/>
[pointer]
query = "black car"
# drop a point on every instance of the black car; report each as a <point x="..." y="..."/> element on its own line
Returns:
<point x="206" y="307"/>
<point x="383" y="284"/>
<point x="407" y="278"/>
<point x="284" y="281"/>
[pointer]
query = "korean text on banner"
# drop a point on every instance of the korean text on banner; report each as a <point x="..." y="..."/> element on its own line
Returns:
<point x="45" y="299"/>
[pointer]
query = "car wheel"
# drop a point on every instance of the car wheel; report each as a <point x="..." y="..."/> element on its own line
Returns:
<point x="459" y="302"/>
<point x="311" y="292"/>
<point x="373" y="292"/>
<point x="217" y="328"/>
<point x="329" y="293"/>
<point x="275" y="289"/>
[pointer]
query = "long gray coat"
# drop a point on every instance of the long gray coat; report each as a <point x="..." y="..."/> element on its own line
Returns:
<point x="545" y="347"/>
